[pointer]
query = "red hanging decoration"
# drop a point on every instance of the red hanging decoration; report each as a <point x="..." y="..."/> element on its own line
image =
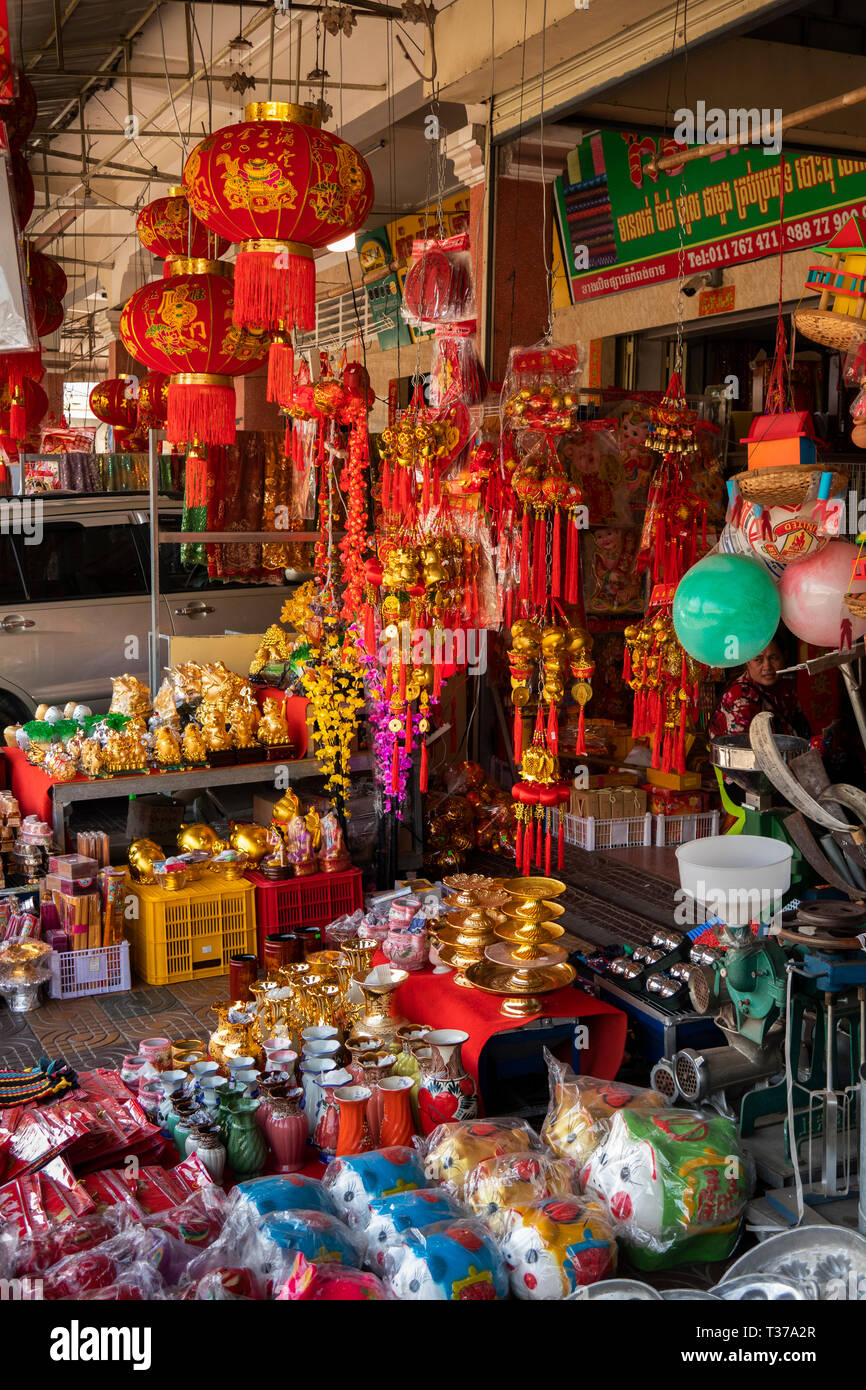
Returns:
<point x="281" y="371"/>
<point x="422" y="772"/>
<point x="556" y="561"/>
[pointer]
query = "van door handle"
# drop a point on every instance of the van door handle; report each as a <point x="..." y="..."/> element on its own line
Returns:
<point x="194" y="610"/>
<point x="13" y="622"/>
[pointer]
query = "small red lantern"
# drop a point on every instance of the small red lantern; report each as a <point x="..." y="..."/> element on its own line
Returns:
<point x="47" y="311"/>
<point x="130" y="441"/>
<point x="168" y="228"/>
<point x="113" y="402"/>
<point x="182" y="326"/>
<point x="33" y="403"/>
<point x="45" y="273"/>
<point x="152" y="400"/>
<point x="280" y="186"/>
<point x="19" y="115"/>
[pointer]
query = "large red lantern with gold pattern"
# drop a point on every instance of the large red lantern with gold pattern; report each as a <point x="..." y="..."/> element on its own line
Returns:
<point x="19" y="115"/>
<point x="113" y="402"/>
<point x="167" y="227"/>
<point x="280" y="186"/>
<point x="152" y="400"/>
<point x="182" y="326"/>
<point x="130" y="441"/>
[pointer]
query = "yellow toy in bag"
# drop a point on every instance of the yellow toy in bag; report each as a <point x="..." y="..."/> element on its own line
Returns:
<point x="582" y="1109"/>
<point x="497" y="1186"/>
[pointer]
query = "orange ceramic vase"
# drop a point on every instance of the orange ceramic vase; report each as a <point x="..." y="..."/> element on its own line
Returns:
<point x="397" y="1123"/>
<point x="354" y="1135"/>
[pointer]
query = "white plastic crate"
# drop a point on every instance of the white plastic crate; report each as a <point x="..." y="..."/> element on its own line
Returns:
<point x="99" y="970"/>
<point x="679" y="830"/>
<point x="590" y="832"/>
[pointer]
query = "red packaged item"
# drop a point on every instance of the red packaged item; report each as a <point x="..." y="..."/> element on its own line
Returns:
<point x="135" y="1286"/>
<point x="438" y="284"/>
<point x="223" y="1284"/>
<point x="457" y="373"/>
<point x="307" y="1282"/>
<point x="79" y="1274"/>
<point x="32" y="1254"/>
<point x="540" y="391"/>
<point x="30" y="1138"/>
<point x="37" y="1201"/>
<point x="197" y="1222"/>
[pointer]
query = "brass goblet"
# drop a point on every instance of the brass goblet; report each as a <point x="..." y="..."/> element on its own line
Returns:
<point x="360" y="953"/>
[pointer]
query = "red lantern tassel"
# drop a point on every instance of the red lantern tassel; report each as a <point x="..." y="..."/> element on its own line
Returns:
<point x="17" y="415"/>
<point x="388" y="687"/>
<point x="425" y="488"/>
<point x="571" y="561"/>
<point x="386" y="486"/>
<point x="658" y="741"/>
<point x="407" y="737"/>
<point x="369" y="629"/>
<point x="518" y="841"/>
<point x="626" y="662"/>
<point x="552" y="730"/>
<point x="560" y="842"/>
<point x="196" y="479"/>
<point x="518" y="734"/>
<point x="547" y="845"/>
<point x="275" y="289"/>
<point x="437" y="671"/>
<point x="538" y="840"/>
<point x="556" y="567"/>
<point x="524" y="591"/>
<point x="401" y="685"/>
<point x="395" y="769"/>
<point x="539" y="562"/>
<point x="681" y="740"/>
<point x="422" y="774"/>
<point x="281" y="373"/>
<point x="509" y="609"/>
<point x="201" y="408"/>
<point x="437" y="487"/>
<point x="527" y="848"/>
<point x="580" y="746"/>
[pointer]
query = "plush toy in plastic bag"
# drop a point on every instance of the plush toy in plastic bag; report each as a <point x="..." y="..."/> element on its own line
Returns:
<point x="285" y="1193"/>
<point x="315" y="1234"/>
<point x="392" y="1217"/>
<point x="307" y="1282"/>
<point x="557" y="1245"/>
<point x="355" y="1181"/>
<point x="456" y="1260"/>
<point x="581" y="1108"/>
<point x="497" y="1185"/>
<point x="674" y="1184"/>
<point x="454" y="1149"/>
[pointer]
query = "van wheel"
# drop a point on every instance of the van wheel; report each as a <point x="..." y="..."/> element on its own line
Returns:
<point x="11" y="711"/>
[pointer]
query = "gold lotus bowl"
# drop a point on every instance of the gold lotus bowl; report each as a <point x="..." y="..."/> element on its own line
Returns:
<point x="532" y="913"/>
<point x="529" y="933"/>
<point x="533" y="889"/>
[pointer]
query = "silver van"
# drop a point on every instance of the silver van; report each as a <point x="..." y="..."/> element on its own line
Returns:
<point x="75" y="609"/>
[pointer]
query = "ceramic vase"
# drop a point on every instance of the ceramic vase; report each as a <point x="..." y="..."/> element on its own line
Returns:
<point x="354" y="1135"/>
<point x="376" y="1066"/>
<point x="447" y="1091"/>
<point x="398" y="1125"/>
<point x="246" y="1151"/>
<point x="311" y="1069"/>
<point x="286" y="1131"/>
<point x="328" y="1124"/>
<point x="211" y="1152"/>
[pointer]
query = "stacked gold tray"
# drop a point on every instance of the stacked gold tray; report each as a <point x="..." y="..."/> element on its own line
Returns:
<point x="524" y="963"/>
<point x="476" y="911"/>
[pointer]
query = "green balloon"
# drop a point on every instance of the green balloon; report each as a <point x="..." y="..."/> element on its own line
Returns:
<point x="726" y="609"/>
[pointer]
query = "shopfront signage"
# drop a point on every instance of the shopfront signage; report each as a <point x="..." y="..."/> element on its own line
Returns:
<point x="720" y="301"/>
<point x="623" y="228"/>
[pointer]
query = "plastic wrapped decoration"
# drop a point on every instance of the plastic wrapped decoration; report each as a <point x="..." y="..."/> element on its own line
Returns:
<point x="314" y="1234"/>
<point x="497" y="1186"/>
<point x="557" y="1245"/>
<point x="675" y="512"/>
<point x="392" y="1217"/>
<point x="453" y="1261"/>
<point x="353" y="1182"/>
<point x="309" y="1282"/>
<point x="438" y="285"/>
<point x="288" y="1192"/>
<point x="540" y="390"/>
<point x="582" y="1108"/>
<point x="674" y="1184"/>
<point x="457" y="372"/>
<point x="455" y="1148"/>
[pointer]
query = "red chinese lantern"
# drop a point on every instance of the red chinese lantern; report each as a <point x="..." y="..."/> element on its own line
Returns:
<point x="33" y="403"/>
<point x="113" y="402"/>
<point x="23" y="192"/>
<point x="45" y="273"/>
<point x="182" y="326"/>
<point x="19" y="115"/>
<point x="152" y="400"/>
<point x="130" y="441"/>
<point x="167" y="227"/>
<point x="280" y="186"/>
<point x="47" y="311"/>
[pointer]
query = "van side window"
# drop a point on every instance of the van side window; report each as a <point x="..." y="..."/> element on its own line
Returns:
<point x="10" y="578"/>
<point x="76" y="561"/>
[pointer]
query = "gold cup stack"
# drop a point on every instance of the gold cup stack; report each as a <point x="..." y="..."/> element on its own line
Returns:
<point x="524" y="963"/>
<point x="472" y="918"/>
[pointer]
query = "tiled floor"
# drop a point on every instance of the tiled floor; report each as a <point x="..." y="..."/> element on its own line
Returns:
<point x="99" y="1032"/>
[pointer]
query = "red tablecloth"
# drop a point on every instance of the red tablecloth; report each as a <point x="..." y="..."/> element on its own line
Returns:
<point x="435" y="999"/>
<point x="30" y="785"/>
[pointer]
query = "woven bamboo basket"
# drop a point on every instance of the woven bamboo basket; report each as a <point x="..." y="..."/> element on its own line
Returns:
<point x="785" y="487"/>
<point x="833" y="330"/>
<point x="856" y="605"/>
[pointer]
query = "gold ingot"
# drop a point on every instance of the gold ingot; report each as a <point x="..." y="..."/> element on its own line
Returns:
<point x="198" y="836"/>
<point x="553" y="640"/>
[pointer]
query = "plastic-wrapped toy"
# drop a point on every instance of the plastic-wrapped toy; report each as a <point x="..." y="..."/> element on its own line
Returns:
<point x="328" y="1282"/>
<point x="454" y="1260"/>
<point x="355" y="1181"/>
<point x="438" y="284"/>
<point x="454" y="1149"/>
<point x="557" y="1245"/>
<point x="457" y="372"/>
<point x="674" y="1183"/>
<point x="392" y="1217"/>
<point x="288" y="1192"/>
<point x="581" y="1108"/>
<point x="315" y="1234"/>
<point x="540" y="391"/>
<point x="222" y="1285"/>
<point x="497" y="1185"/>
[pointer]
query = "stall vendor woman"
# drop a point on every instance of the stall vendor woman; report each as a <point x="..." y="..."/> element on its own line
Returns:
<point x="760" y="687"/>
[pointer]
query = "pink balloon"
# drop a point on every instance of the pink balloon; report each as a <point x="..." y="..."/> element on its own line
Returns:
<point x="812" y="593"/>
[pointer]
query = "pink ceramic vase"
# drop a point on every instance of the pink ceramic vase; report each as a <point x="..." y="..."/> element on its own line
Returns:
<point x="286" y="1131"/>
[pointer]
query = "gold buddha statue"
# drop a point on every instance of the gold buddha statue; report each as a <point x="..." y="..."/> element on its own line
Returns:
<point x="166" y="749"/>
<point x="213" y="726"/>
<point x="273" y="729"/>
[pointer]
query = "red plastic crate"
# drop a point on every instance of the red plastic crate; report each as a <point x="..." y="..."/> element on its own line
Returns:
<point x="313" y="901"/>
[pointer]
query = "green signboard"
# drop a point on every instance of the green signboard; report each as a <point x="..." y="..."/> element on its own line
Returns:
<point x="621" y="227"/>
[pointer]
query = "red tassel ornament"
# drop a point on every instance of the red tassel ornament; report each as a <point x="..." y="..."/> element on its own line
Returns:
<point x="422" y="773"/>
<point x="525" y="588"/>
<point x="281" y="372"/>
<point x="395" y="769"/>
<point x="201" y="406"/>
<point x="560" y="843"/>
<point x="275" y="288"/>
<point x="556" y="562"/>
<point x="539" y="561"/>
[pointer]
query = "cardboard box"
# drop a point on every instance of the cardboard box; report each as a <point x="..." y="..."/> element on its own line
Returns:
<point x="664" y="802"/>
<point x="673" y="781"/>
<point x="70" y="888"/>
<point x="630" y="801"/>
<point x="72" y="867"/>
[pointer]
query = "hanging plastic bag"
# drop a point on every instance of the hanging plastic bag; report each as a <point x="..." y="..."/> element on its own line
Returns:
<point x="438" y="286"/>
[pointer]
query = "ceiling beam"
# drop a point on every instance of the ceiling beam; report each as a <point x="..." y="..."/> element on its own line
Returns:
<point x="141" y="173"/>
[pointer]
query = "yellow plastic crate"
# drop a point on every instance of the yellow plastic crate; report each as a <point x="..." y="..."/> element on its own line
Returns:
<point x="190" y="935"/>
